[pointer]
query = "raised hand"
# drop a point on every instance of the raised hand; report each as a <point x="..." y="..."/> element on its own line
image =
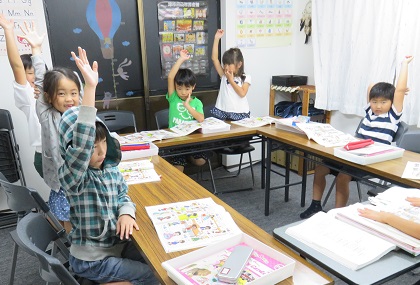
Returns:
<point x="5" y="23"/>
<point x="90" y="73"/>
<point x="219" y="34"/>
<point x="184" y="54"/>
<point x="408" y="58"/>
<point x="31" y="36"/>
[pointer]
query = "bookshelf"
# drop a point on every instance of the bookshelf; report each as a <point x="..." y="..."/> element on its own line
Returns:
<point x="278" y="156"/>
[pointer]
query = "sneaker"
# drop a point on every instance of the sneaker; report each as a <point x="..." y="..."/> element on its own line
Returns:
<point x="312" y="210"/>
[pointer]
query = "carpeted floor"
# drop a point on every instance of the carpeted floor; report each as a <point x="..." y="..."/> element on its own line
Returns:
<point x="248" y="203"/>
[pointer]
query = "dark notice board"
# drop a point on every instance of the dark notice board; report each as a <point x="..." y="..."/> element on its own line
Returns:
<point x="157" y="82"/>
<point x="109" y="31"/>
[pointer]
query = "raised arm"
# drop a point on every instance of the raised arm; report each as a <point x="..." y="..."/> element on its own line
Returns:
<point x="401" y="87"/>
<point x="215" y="52"/>
<point x="90" y="75"/>
<point x="12" y="51"/>
<point x="183" y="56"/>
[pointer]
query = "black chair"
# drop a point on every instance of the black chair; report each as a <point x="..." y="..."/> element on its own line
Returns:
<point x="10" y="163"/>
<point x="23" y="200"/>
<point x="162" y="122"/>
<point x="118" y="120"/>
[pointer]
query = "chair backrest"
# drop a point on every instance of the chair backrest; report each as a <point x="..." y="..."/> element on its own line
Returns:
<point x="206" y="110"/>
<point x="10" y="163"/>
<point x="162" y="119"/>
<point x="408" y="138"/>
<point x="34" y="233"/>
<point x="23" y="199"/>
<point x="118" y="120"/>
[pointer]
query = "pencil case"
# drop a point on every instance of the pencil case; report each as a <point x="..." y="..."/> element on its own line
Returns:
<point x="358" y="144"/>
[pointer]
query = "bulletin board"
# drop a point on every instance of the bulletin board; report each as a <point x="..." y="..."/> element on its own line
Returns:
<point x="263" y="23"/>
<point x="183" y="25"/>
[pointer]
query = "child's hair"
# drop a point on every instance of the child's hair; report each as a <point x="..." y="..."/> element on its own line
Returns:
<point x="101" y="132"/>
<point x="52" y="78"/>
<point x="382" y="90"/>
<point x="234" y="56"/>
<point x="185" y="77"/>
<point x="26" y="60"/>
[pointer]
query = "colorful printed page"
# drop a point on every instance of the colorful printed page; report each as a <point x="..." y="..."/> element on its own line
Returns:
<point x="139" y="171"/>
<point x="203" y="272"/>
<point x="150" y="136"/>
<point x="191" y="224"/>
<point x="254" y="122"/>
<point x="186" y="128"/>
<point x="209" y="125"/>
<point x="325" y="134"/>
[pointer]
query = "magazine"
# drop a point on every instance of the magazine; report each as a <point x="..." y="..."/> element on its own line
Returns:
<point x="191" y="224"/>
<point x="325" y="134"/>
<point x="204" y="271"/>
<point x="254" y="122"/>
<point x="138" y="171"/>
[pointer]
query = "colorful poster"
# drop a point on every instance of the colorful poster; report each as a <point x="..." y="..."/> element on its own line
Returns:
<point x="263" y="23"/>
<point x="183" y="25"/>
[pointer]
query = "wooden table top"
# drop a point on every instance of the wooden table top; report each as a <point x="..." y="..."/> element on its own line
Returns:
<point x="235" y="131"/>
<point x="175" y="187"/>
<point x="389" y="170"/>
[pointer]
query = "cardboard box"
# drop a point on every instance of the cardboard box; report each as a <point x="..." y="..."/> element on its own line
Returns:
<point x="274" y="277"/>
<point x="133" y="154"/>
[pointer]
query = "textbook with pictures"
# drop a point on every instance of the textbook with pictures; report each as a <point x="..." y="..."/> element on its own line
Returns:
<point x="191" y="224"/>
<point x="325" y="134"/>
<point x="208" y="126"/>
<point x="254" y="122"/>
<point x="138" y="171"/>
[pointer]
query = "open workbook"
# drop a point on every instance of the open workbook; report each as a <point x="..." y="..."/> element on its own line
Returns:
<point x="191" y="224"/>
<point x="341" y="229"/>
<point x="325" y="134"/>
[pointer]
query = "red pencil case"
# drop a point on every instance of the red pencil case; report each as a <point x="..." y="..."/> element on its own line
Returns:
<point x="134" y="147"/>
<point x="358" y="144"/>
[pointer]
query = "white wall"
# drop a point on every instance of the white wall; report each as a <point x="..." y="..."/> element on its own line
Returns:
<point x="19" y="120"/>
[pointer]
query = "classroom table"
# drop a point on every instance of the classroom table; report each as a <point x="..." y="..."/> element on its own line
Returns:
<point x="176" y="186"/>
<point x="388" y="267"/>
<point x="390" y="170"/>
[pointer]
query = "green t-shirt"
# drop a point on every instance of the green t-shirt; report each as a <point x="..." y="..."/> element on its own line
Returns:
<point x="178" y="113"/>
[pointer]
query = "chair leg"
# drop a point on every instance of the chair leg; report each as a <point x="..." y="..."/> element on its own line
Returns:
<point x="13" y="267"/>
<point x="211" y="177"/>
<point x="329" y="192"/>
<point x="252" y="169"/>
<point x="359" y="191"/>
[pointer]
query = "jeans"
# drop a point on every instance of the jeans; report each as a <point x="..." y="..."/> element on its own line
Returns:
<point x="129" y="267"/>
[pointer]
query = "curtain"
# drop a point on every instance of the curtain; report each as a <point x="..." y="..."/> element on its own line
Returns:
<point x="355" y="44"/>
<point x="409" y="44"/>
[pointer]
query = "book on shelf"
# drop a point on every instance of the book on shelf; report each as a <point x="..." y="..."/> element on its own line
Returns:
<point x="325" y="134"/>
<point x="138" y="171"/>
<point x="254" y="122"/>
<point x="265" y="266"/>
<point x="209" y="125"/>
<point x="372" y="153"/>
<point x="191" y="224"/>
<point x="344" y="243"/>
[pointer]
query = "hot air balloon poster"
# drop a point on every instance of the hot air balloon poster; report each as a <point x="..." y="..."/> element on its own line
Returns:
<point x="109" y="31"/>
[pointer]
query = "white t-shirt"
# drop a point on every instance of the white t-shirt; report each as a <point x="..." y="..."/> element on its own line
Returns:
<point x="25" y="101"/>
<point x="228" y="100"/>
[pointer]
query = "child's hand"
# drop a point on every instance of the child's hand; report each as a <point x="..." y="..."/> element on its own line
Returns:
<point x="30" y="34"/>
<point x="187" y="101"/>
<point x="415" y="201"/>
<point x="408" y="59"/>
<point x="219" y="34"/>
<point x="184" y="54"/>
<point x="5" y="23"/>
<point x="90" y="74"/>
<point x="371" y="214"/>
<point x="229" y="75"/>
<point x="125" y="225"/>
